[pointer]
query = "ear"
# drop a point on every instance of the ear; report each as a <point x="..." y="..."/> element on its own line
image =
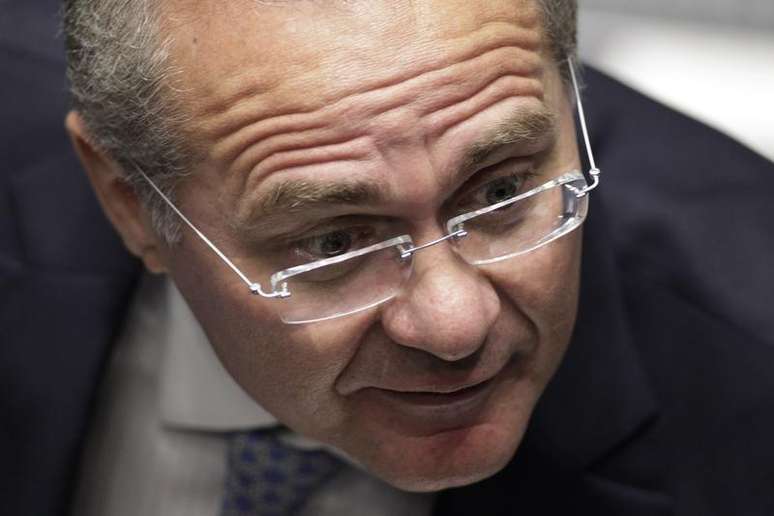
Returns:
<point x="118" y="199"/>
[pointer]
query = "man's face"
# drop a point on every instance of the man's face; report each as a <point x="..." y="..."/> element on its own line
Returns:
<point x="435" y="388"/>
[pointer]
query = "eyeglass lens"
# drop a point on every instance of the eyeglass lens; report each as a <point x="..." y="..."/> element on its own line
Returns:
<point x="370" y="279"/>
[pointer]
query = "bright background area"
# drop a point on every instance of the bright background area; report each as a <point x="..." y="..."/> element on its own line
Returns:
<point x="711" y="59"/>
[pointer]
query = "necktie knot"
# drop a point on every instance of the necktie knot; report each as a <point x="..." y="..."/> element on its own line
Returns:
<point x="267" y="477"/>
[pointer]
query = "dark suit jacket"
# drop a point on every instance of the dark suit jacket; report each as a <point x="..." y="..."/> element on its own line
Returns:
<point x="664" y="404"/>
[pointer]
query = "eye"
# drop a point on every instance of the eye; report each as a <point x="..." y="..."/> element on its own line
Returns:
<point x="335" y="241"/>
<point x="494" y="191"/>
<point x="330" y="244"/>
<point x="502" y="189"/>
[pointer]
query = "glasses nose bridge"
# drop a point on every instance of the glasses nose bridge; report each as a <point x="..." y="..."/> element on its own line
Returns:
<point x="456" y="235"/>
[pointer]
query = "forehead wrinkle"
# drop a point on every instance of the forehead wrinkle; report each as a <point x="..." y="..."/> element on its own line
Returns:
<point x="295" y="149"/>
<point x="254" y="127"/>
<point x="447" y="90"/>
<point x="442" y="90"/>
<point x="235" y="119"/>
<point x="429" y="61"/>
<point x="502" y="88"/>
<point x="244" y="86"/>
<point x="268" y="138"/>
<point x="301" y="152"/>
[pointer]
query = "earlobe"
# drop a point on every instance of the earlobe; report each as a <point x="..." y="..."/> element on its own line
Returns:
<point x="118" y="199"/>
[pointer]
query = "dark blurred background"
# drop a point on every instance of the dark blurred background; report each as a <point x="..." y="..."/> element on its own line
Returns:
<point x="33" y="64"/>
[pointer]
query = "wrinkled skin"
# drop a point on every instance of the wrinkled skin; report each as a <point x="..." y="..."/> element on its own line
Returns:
<point x="392" y="92"/>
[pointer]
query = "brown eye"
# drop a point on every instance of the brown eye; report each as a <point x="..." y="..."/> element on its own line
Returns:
<point x="502" y="189"/>
<point x="331" y="244"/>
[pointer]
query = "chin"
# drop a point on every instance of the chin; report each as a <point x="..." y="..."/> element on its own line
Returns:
<point x="431" y="484"/>
<point x="451" y="459"/>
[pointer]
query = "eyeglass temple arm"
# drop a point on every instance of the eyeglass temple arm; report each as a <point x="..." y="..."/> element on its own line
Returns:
<point x="594" y="172"/>
<point x="255" y="288"/>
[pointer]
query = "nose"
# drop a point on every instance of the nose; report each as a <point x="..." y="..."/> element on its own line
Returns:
<point x="446" y="308"/>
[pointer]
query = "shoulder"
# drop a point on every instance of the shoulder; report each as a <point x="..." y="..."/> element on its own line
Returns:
<point x="686" y="205"/>
<point x="688" y="213"/>
<point x="715" y="390"/>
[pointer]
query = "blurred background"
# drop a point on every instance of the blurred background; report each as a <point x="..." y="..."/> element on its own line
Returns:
<point x="712" y="59"/>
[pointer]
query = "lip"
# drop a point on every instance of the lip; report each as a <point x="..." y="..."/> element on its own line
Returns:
<point x="437" y="397"/>
<point x="430" y="412"/>
<point x="416" y="381"/>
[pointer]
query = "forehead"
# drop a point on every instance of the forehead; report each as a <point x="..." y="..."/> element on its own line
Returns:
<point x="266" y="43"/>
<point x="287" y="55"/>
<point x="273" y="85"/>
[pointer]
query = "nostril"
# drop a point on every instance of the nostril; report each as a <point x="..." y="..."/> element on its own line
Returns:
<point x="459" y="356"/>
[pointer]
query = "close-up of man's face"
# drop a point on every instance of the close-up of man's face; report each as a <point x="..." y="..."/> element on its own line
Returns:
<point x="324" y="127"/>
<point x="335" y="258"/>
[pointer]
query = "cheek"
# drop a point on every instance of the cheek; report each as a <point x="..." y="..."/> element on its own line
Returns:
<point x="543" y="288"/>
<point x="290" y="370"/>
<point x="544" y="284"/>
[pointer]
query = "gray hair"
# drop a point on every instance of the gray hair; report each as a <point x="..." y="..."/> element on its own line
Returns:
<point x="122" y="86"/>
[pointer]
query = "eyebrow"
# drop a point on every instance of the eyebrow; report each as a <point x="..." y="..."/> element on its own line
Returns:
<point x="524" y="128"/>
<point x="295" y="195"/>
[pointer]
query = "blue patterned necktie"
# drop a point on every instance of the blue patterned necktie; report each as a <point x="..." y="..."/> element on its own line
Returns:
<point x="268" y="478"/>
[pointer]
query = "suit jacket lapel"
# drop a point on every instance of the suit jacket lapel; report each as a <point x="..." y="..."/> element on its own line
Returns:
<point x="598" y="405"/>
